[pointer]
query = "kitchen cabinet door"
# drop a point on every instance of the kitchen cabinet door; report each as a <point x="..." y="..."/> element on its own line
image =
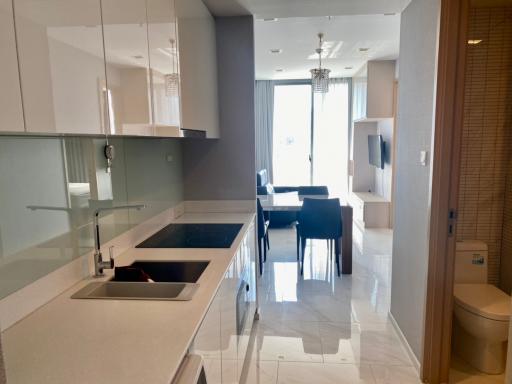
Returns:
<point x="207" y="343"/>
<point x="11" y="112"/>
<point x="62" y="66"/>
<point x="127" y="64"/>
<point x="248" y="277"/>
<point x="229" y="338"/>
<point x="164" y="71"/>
<point x="198" y="67"/>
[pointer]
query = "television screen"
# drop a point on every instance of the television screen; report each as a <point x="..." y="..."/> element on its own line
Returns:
<point x="376" y="150"/>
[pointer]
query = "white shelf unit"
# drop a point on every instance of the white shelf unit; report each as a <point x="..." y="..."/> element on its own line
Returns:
<point x="370" y="210"/>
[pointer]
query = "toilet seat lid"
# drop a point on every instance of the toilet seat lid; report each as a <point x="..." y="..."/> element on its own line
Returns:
<point x="484" y="300"/>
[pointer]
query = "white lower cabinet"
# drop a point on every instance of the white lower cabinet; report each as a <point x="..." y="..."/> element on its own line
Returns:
<point x="223" y="338"/>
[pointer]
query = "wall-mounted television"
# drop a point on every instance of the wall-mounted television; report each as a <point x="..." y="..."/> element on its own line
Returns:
<point x="376" y="148"/>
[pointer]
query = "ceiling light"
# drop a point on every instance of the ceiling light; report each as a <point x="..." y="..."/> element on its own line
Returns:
<point x="276" y="50"/>
<point x="474" y="42"/>
<point x="364" y="49"/>
<point x="320" y="76"/>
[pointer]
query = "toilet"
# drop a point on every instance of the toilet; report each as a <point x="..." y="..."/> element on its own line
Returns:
<point x="481" y="311"/>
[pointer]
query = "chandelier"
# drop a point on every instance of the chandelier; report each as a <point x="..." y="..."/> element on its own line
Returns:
<point x="172" y="80"/>
<point x="320" y="76"/>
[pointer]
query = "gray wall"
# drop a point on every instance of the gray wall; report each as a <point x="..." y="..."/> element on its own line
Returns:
<point x="417" y="79"/>
<point x="224" y="169"/>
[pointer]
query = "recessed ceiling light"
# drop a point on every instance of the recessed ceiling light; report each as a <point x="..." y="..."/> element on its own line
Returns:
<point x="270" y="19"/>
<point x="364" y="49"/>
<point x="474" y="42"/>
<point x="349" y="67"/>
<point x="276" y="50"/>
<point x="279" y="70"/>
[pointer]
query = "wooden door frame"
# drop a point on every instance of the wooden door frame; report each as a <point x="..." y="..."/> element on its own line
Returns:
<point x="445" y="186"/>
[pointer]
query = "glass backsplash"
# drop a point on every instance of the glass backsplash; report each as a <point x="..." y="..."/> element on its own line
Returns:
<point x="50" y="187"/>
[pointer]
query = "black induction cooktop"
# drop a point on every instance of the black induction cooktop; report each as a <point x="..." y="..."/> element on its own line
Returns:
<point x="193" y="236"/>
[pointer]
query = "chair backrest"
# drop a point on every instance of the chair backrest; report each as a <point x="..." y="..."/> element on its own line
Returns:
<point x="260" y="218"/>
<point x="314" y="190"/>
<point x="261" y="178"/>
<point x="320" y="219"/>
<point x="265" y="190"/>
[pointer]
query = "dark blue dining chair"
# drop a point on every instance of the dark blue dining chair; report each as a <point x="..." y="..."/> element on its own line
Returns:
<point x="263" y="240"/>
<point x="320" y="219"/>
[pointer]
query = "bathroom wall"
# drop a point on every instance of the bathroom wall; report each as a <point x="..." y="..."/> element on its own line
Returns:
<point x="484" y="212"/>
<point x="49" y="187"/>
<point x="506" y="246"/>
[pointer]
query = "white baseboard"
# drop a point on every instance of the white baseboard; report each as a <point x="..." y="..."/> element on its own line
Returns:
<point x="415" y="362"/>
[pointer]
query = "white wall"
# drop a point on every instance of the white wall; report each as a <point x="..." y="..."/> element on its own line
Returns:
<point x="383" y="177"/>
<point x="363" y="178"/>
<point x="417" y="73"/>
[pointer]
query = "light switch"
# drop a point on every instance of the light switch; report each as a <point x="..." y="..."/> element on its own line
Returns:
<point x="169" y="158"/>
<point x="423" y="158"/>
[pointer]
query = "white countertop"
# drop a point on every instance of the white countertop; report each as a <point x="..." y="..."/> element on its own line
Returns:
<point x="118" y="341"/>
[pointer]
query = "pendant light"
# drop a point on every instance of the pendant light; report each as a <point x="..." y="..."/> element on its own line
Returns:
<point x="320" y="76"/>
<point x="172" y="79"/>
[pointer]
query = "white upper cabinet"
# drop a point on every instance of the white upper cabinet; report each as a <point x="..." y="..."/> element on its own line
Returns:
<point x="198" y="67"/>
<point x="118" y="67"/>
<point x="164" y="70"/>
<point x="373" y="91"/>
<point x="127" y="62"/>
<point x="62" y="67"/>
<point x="11" y="113"/>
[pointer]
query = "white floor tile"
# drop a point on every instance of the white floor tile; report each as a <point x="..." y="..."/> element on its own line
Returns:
<point x="262" y="372"/>
<point x="384" y="374"/>
<point x="304" y="373"/>
<point x="321" y="328"/>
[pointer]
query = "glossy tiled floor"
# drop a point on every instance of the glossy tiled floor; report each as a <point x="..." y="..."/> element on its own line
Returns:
<point x="324" y="329"/>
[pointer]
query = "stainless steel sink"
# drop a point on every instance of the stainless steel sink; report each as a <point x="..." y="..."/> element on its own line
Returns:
<point x="120" y="290"/>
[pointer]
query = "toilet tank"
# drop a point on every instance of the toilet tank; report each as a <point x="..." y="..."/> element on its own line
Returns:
<point x="471" y="257"/>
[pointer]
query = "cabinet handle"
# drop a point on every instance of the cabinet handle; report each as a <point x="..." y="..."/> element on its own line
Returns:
<point x="247" y="288"/>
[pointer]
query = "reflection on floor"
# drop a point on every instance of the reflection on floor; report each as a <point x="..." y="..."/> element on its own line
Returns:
<point x="324" y="329"/>
<point x="463" y="373"/>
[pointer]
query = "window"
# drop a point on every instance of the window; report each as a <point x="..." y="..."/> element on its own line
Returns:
<point x="310" y="136"/>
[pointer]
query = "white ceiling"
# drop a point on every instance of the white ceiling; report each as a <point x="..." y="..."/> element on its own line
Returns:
<point x="343" y="36"/>
<point x="303" y="8"/>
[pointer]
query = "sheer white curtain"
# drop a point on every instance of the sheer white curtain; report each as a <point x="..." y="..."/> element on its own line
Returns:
<point x="264" y="120"/>
<point x="330" y="137"/>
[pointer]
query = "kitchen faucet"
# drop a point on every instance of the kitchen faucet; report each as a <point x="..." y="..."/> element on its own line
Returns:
<point x="99" y="264"/>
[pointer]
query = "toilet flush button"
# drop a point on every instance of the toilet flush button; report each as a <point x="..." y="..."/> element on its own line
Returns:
<point x="478" y="259"/>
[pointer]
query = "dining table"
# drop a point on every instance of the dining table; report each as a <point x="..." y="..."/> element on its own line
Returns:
<point x="292" y="202"/>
